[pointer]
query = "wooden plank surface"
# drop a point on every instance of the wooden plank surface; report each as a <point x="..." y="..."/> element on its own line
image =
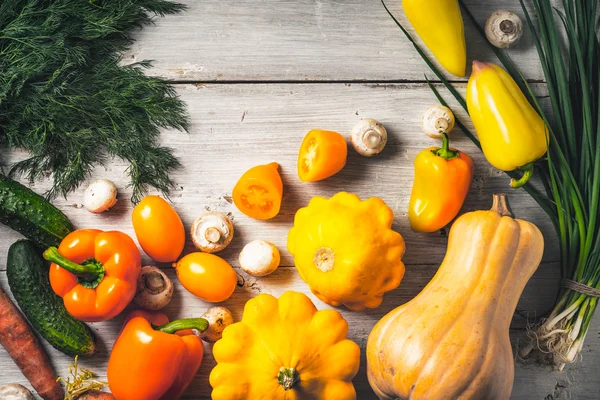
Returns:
<point x="237" y="126"/>
<point x="301" y="40"/>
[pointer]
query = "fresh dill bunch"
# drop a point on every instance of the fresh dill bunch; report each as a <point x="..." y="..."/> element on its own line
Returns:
<point x="65" y="97"/>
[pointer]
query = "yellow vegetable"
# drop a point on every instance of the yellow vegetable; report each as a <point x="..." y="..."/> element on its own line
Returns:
<point x="439" y="24"/>
<point x="451" y="341"/>
<point x="285" y="350"/>
<point x="512" y="134"/>
<point x="346" y="251"/>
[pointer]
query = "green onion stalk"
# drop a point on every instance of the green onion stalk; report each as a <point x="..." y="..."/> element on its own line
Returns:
<point x="567" y="42"/>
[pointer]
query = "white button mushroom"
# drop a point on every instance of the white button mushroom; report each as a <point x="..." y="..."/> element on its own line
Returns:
<point x="503" y="28"/>
<point x="259" y="258"/>
<point x="436" y="121"/>
<point x="218" y="319"/>
<point x="14" y="391"/>
<point x="212" y="232"/>
<point x="100" y="196"/>
<point x="154" y="289"/>
<point x="368" y="137"/>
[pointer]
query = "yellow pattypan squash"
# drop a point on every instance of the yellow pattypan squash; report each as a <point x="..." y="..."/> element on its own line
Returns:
<point x="346" y="251"/>
<point x="284" y="349"/>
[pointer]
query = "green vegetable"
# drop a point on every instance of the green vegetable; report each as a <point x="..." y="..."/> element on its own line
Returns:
<point x="27" y="274"/>
<point x="66" y="97"/>
<point x="571" y="174"/>
<point x="30" y="214"/>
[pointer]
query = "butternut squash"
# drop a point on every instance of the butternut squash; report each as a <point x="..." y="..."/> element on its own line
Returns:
<point x="451" y="341"/>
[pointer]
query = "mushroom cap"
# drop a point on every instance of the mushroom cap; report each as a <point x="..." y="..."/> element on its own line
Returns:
<point x="259" y="258"/>
<point x="218" y="319"/>
<point x="154" y="289"/>
<point x="503" y="28"/>
<point x="100" y="196"/>
<point x="14" y="391"/>
<point x="212" y="232"/>
<point x="368" y="137"/>
<point x="435" y="119"/>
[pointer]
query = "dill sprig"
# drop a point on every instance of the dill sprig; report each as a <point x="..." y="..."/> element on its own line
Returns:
<point x="66" y="98"/>
<point x="80" y="381"/>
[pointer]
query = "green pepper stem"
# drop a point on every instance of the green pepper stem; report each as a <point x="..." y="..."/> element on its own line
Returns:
<point x="90" y="270"/>
<point x="445" y="152"/>
<point x="199" y="324"/>
<point x="527" y="174"/>
<point x="288" y="377"/>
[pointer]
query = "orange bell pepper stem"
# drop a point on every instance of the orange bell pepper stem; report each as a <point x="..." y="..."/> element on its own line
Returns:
<point x="95" y="273"/>
<point x="442" y="180"/>
<point x="150" y="362"/>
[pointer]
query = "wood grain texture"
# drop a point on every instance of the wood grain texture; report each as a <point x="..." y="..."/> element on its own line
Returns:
<point x="301" y="40"/>
<point x="237" y="126"/>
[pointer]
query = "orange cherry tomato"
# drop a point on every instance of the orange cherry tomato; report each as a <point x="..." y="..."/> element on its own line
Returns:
<point x="158" y="229"/>
<point x="258" y="192"/>
<point x="207" y="276"/>
<point x="322" y="154"/>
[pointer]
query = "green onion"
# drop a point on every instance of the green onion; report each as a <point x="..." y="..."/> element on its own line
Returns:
<point x="571" y="174"/>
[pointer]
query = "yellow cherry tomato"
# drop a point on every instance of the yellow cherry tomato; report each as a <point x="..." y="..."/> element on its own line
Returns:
<point x="207" y="276"/>
<point x="259" y="191"/>
<point x="158" y="229"/>
<point x="322" y="154"/>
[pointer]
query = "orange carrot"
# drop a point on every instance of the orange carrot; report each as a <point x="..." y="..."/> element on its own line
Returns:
<point x="22" y="345"/>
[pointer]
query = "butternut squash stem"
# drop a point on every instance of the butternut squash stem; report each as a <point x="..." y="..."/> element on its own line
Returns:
<point x="501" y="206"/>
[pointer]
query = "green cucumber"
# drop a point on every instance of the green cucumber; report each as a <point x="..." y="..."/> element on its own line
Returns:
<point x="27" y="274"/>
<point x="31" y="215"/>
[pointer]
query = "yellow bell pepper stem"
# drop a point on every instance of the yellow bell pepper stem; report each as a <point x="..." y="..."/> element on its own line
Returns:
<point x="527" y="174"/>
<point x="445" y="151"/>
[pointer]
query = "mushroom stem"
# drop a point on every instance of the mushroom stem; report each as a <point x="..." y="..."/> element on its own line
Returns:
<point x="212" y="234"/>
<point x="442" y="125"/>
<point x="372" y="139"/>
<point x="155" y="283"/>
<point x="507" y="26"/>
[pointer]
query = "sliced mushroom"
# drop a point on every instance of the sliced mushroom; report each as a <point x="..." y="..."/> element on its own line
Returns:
<point x="14" y="391"/>
<point x="368" y="137"/>
<point x="218" y="319"/>
<point x="154" y="289"/>
<point x="437" y="120"/>
<point x="100" y="196"/>
<point x="259" y="258"/>
<point x="504" y="28"/>
<point x="212" y="232"/>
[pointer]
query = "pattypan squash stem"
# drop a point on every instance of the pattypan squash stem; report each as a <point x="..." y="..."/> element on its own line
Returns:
<point x="527" y="174"/>
<point x="288" y="377"/>
<point x="199" y="324"/>
<point x="91" y="271"/>
<point x="445" y="152"/>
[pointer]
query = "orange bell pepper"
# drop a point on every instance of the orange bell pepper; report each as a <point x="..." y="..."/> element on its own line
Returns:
<point x="95" y="273"/>
<point x="259" y="191"/>
<point x="153" y="358"/>
<point x="322" y="154"/>
<point x="442" y="180"/>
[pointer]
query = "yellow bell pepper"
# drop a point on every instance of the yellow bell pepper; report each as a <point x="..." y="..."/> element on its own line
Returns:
<point x="346" y="251"/>
<point x="442" y="180"/>
<point x="440" y="25"/>
<point x="512" y="134"/>
<point x="285" y="349"/>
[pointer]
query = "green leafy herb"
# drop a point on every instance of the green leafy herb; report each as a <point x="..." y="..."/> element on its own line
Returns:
<point x="571" y="176"/>
<point x="66" y="98"/>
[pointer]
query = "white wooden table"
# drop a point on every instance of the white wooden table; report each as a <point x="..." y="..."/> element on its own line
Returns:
<point x="257" y="75"/>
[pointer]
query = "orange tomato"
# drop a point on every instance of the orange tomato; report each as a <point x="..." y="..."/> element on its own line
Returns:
<point x="322" y="154"/>
<point x="207" y="276"/>
<point x="158" y="229"/>
<point x="258" y="192"/>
